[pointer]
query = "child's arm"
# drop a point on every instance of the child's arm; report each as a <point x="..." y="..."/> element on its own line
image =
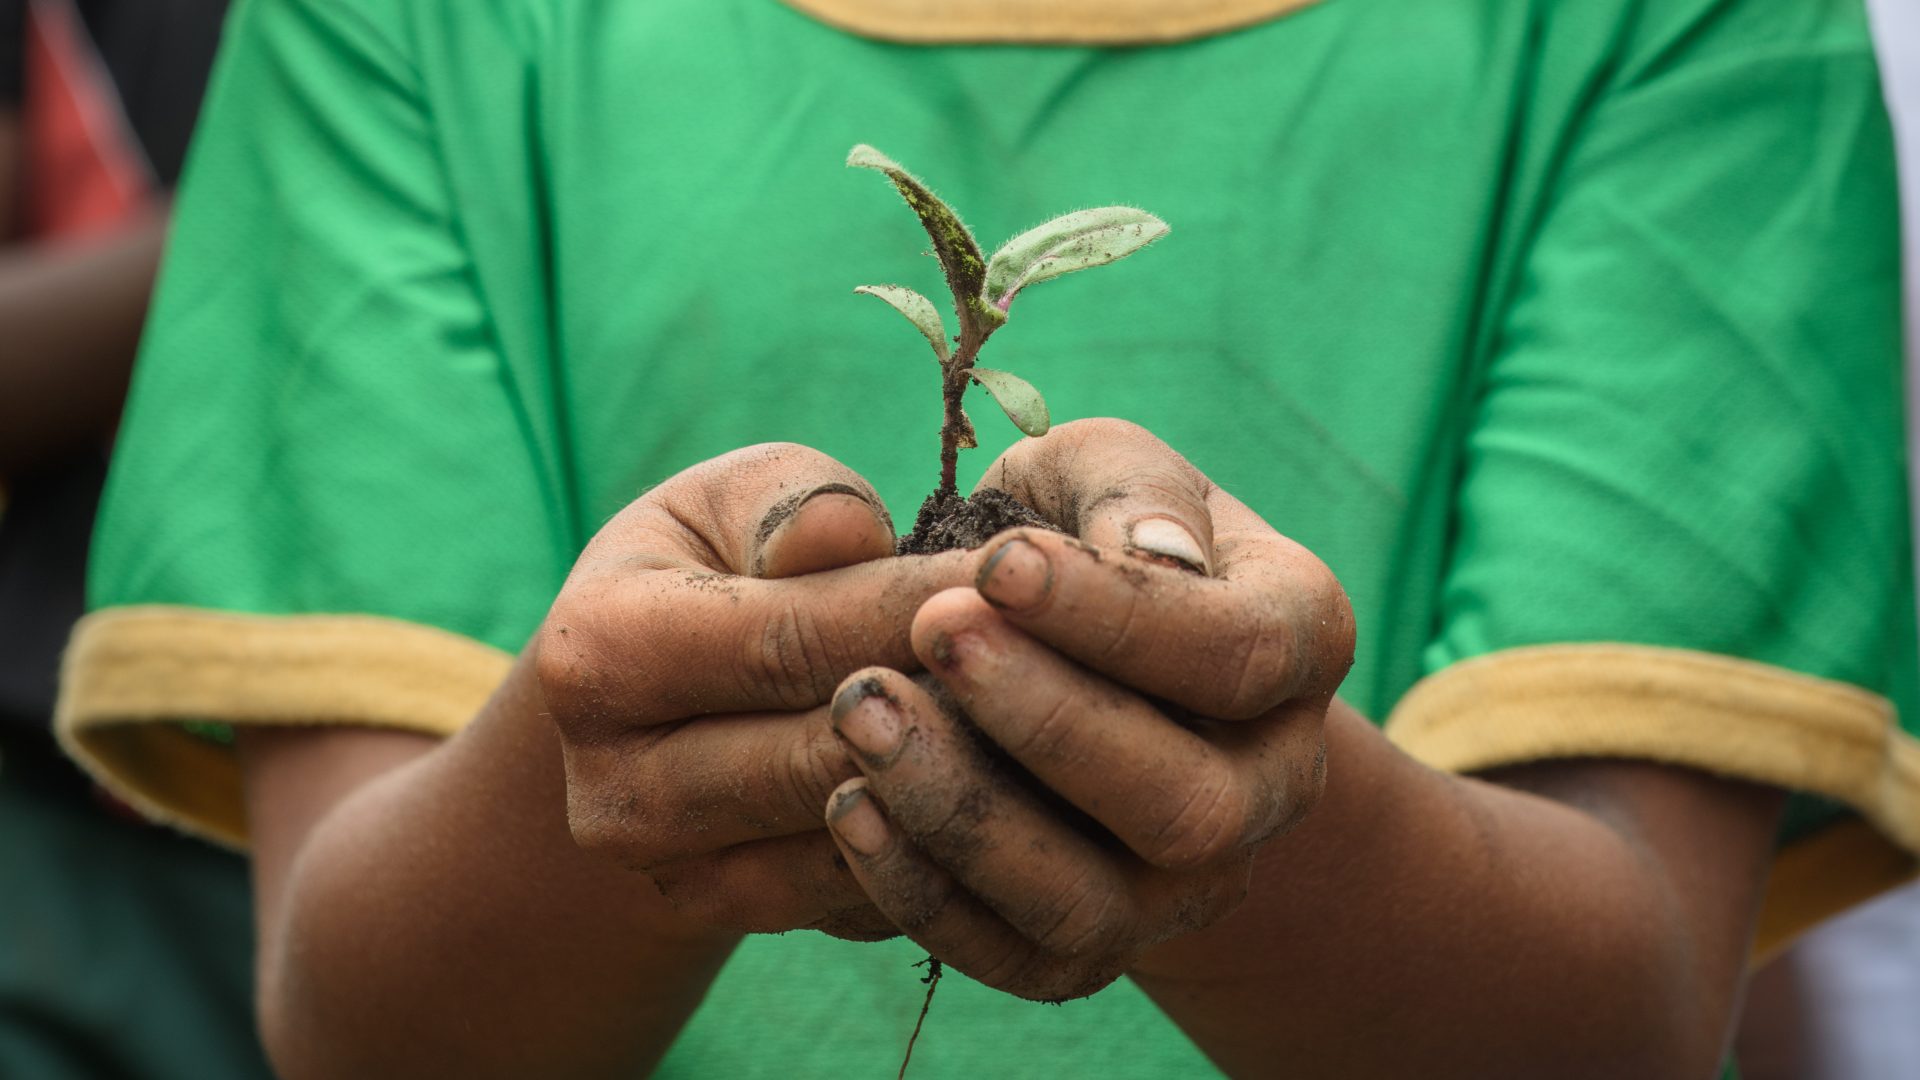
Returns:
<point x="421" y="910"/>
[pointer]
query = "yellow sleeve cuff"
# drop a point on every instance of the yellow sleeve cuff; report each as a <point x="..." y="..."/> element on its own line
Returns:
<point x="133" y="675"/>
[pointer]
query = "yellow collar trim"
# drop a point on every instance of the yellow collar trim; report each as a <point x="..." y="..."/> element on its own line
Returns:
<point x="1035" y="22"/>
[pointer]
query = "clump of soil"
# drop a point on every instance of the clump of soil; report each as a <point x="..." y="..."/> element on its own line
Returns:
<point x="948" y="522"/>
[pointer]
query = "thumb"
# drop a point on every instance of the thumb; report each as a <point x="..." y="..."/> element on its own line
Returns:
<point x="1114" y="485"/>
<point x="769" y="511"/>
<point x="825" y="528"/>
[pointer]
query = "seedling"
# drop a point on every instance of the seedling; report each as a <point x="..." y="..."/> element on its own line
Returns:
<point x="983" y="290"/>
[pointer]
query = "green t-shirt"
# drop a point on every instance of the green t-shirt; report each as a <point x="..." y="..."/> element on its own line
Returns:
<point x="1545" y="323"/>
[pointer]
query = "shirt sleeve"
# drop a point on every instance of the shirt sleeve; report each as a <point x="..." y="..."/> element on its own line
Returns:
<point x="1682" y="530"/>
<point x="328" y="503"/>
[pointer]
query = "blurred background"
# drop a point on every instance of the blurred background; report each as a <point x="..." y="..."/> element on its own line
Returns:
<point x="124" y="948"/>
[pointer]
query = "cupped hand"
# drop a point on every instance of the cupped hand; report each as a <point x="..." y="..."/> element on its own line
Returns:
<point x="687" y="664"/>
<point x="1162" y="680"/>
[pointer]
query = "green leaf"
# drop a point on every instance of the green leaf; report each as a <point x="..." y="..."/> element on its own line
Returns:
<point x="955" y="247"/>
<point x="1071" y="242"/>
<point x="1017" y="398"/>
<point x="919" y="311"/>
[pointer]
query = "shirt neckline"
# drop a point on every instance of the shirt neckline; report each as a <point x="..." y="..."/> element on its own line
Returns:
<point x="1037" y="22"/>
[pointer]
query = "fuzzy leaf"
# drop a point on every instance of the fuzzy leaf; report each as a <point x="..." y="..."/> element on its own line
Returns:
<point x="1071" y="242"/>
<point x="1017" y="398"/>
<point x="955" y="247"/>
<point x="919" y="311"/>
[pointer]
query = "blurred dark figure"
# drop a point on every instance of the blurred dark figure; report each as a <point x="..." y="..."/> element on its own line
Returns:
<point x="124" y="949"/>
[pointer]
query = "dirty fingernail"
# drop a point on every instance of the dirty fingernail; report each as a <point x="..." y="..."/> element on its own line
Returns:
<point x="1017" y="577"/>
<point x="853" y="518"/>
<point x="1165" y="539"/>
<point x="855" y="819"/>
<point x="865" y="717"/>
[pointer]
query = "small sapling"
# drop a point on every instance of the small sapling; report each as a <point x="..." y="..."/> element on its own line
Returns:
<point x="983" y="290"/>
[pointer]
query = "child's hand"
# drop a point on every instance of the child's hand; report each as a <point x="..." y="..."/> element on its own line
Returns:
<point x="687" y="664"/>
<point x="1179" y="713"/>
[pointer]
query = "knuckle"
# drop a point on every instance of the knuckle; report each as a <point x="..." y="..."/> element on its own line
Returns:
<point x="1126" y="631"/>
<point x="815" y="766"/>
<point x="1081" y="919"/>
<point x="730" y="467"/>
<point x="789" y="656"/>
<point x="955" y="836"/>
<point x="608" y="816"/>
<point x="1292" y="799"/>
<point x="1212" y="821"/>
<point x="925" y="903"/>
<point x="593" y="835"/>
<point x="601" y="830"/>
<point x="1104" y="428"/>
<point x="1259" y="672"/>
<point x="1336" y="634"/>
<point x="1047" y="737"/>
<point x="568" y="665"/>
<point x="1171" y="482"/>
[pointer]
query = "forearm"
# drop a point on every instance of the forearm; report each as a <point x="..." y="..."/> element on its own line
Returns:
<point x="1449" y="927"/>
<point x="439" y="920"/>
<point x="70" y="316"/>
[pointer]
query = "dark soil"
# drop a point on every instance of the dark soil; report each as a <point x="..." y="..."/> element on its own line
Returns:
<point x="948" y="522"/>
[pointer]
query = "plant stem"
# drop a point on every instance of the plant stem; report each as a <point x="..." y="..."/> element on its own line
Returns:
<point x="956" y="372"/>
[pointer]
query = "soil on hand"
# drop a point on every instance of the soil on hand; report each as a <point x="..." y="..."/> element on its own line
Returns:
<point x="948" y="522"/>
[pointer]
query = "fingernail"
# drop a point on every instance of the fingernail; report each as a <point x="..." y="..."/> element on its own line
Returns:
<point x="1017" y="577"/>
<point x="1160" y="538"/>
<point x="864" y="716"/>
<point x="855" y="819"/>
<point x="958" y="654"/>
<point x="779" y="520"/>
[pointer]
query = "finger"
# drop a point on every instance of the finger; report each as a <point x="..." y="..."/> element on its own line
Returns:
<point x="1176" y="799"/>
<point x="770" y="886"/>
<point x="1114" y="485"/>
<point x="642" y="649"/>
<point x="660" y="794"/>
<point x="822" y="528"/>
<point x="654" y="613"/>
<point x="1051" y="884"/>
<point x="731" y="515"/>
<point x="930" y="907"/>
<point x="1232" y="647"/>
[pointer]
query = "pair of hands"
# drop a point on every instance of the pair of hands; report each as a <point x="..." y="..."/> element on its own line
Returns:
<point x="738" y="660"/>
